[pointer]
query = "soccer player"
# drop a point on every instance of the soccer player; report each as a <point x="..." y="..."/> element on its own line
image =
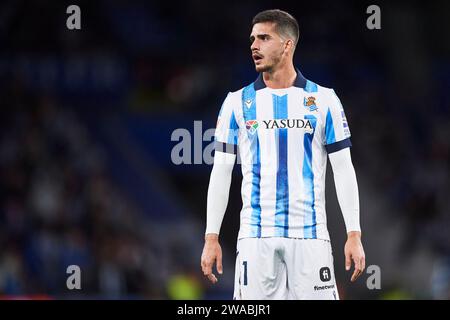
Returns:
<point x="283" y="127"/>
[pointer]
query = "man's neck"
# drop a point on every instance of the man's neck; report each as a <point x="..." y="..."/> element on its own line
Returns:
<point x="281" y="78"/>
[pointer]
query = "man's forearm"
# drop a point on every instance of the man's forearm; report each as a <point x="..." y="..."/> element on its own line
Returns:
<point x="218" y="191"/>
<point x="354" y="234"/>
<point x="346" y="189"/>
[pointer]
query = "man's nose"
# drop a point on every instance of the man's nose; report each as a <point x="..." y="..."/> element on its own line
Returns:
<point x="254" y="46"/>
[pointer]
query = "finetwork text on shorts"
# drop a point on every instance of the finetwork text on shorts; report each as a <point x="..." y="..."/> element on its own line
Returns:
<point x="317" y="288"/>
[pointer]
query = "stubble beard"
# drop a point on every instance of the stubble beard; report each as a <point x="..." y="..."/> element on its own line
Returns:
<point x="269" y="67"/>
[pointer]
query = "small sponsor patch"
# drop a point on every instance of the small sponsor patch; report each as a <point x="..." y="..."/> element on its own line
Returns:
<point x="251" y="126"/>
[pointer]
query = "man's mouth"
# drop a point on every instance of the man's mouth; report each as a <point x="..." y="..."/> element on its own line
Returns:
<point x="257" y="57"/>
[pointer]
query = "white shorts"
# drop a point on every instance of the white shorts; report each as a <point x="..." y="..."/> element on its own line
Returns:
<point x="284" y="268"/>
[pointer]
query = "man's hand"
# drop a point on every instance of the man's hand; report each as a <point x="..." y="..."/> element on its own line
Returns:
<point x="211" y="252"/>
<point x="354" y="251"/>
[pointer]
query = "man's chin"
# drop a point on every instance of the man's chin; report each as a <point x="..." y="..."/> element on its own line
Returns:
<point x="261" y="68"/>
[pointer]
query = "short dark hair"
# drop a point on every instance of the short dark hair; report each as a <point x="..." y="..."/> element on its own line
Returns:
<point x="286" y="24"/>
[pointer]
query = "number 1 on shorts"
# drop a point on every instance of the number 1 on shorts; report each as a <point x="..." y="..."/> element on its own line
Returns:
<point x="245" y="272"/>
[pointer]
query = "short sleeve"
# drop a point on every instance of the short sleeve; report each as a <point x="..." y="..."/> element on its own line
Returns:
<point x="227" y="129"/>
<point x="337" y="131"/>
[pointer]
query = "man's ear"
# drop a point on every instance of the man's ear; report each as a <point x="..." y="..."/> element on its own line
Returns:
<point x="289" y="44"/>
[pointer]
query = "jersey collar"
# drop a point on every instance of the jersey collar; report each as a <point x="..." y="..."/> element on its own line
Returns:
<point x="300" y="81"/>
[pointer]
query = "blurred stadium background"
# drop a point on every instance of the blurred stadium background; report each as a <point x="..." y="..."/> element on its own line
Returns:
<point x="86" y="119"/>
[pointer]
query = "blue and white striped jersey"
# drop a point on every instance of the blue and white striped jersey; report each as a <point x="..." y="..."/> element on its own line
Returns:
<point x="283" y="137"/>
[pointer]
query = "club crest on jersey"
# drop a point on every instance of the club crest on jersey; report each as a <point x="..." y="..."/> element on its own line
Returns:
<point x="251" y="126"/>
<point x="248" y="103"/>
<point x="310" y="103"/>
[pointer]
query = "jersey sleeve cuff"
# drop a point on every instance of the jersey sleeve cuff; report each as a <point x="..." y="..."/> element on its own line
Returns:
<point x="336" y="146"/>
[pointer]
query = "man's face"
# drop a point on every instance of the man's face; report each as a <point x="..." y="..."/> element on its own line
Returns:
<point x="266" y="46"/>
